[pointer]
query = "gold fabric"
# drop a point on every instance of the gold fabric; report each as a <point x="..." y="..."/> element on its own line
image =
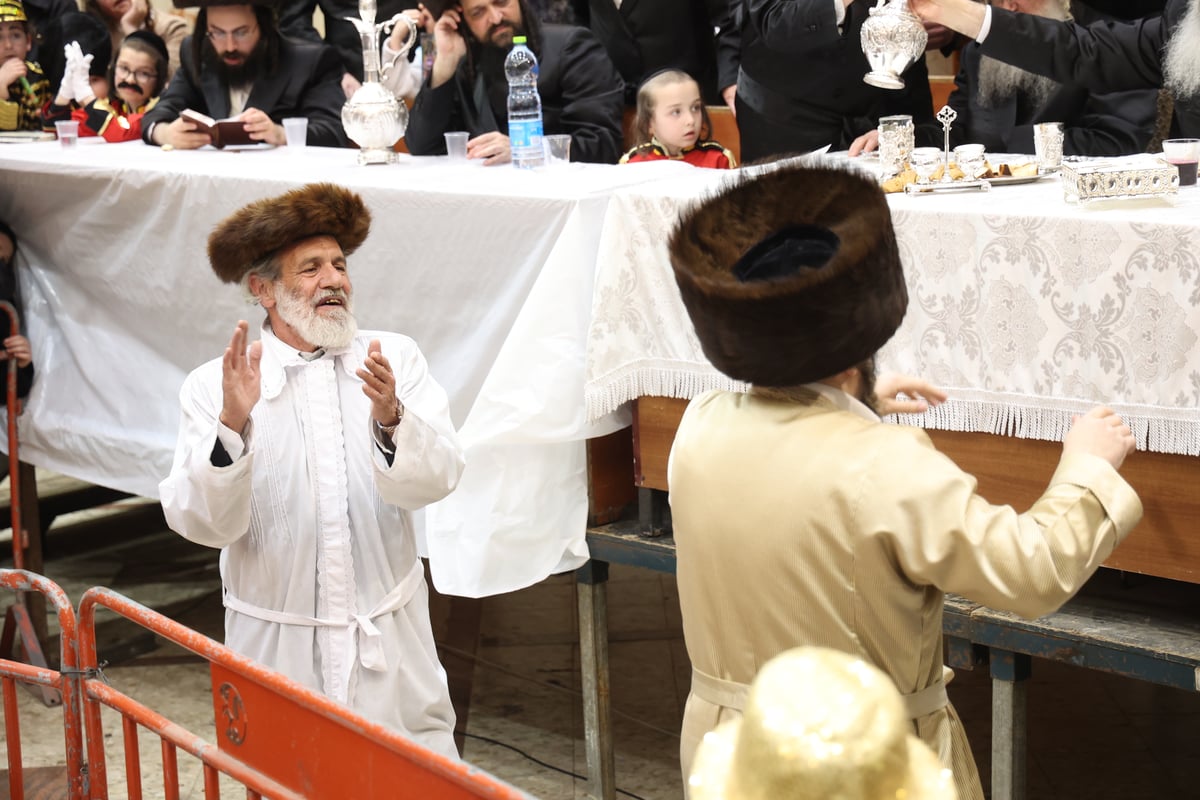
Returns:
<point x="803" y="523"/>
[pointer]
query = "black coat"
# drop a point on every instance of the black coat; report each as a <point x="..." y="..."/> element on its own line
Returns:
<point x="1112" y="124"/>
<point x="801" y="81"/>
<point x="296" y="20"/>
<point x="306" y="83"/>
<point x="579" y="87"/>
<point x="645" y="36"/>
<point x="1103" y="57"/>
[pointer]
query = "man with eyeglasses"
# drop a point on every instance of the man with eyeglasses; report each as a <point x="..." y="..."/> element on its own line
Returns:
<point x="239" y="66"/>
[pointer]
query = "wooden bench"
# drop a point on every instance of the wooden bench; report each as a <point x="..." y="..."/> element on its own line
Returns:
<point x="1136" y="635"/>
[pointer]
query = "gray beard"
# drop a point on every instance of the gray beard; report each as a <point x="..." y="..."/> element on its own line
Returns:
<point x="998" y="83"/>
<point x="1181" y="62"/>
<point x="333" y="331"/>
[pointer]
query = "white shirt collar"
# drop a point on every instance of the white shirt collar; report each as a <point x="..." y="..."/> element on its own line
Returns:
<point x="278" y="357"/>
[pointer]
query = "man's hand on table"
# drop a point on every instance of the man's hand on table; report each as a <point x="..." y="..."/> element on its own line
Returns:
<point x="494" y="148"/>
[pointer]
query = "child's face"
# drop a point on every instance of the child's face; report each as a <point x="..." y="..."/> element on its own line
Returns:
<point x="677" y="116"/>
<point x="137" y="81"/>
<point x="14" y="41"/>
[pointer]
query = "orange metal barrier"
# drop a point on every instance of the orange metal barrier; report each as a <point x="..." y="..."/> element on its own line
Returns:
<point x="65" y="681"/>
<point x="275" y="737"/>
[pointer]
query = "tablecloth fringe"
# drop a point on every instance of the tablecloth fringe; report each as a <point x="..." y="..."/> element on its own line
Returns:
<point x="1153" y="433"/>
<point x="604" y="395"/>
<point x="1159" y="430"/>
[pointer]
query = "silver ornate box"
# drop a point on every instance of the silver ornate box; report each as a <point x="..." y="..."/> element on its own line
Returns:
<point x="1117" y="178"/>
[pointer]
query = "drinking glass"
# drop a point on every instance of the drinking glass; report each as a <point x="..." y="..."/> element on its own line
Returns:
<point x="925" y="161"/>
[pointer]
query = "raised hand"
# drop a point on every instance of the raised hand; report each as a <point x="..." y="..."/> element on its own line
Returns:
<point x="1100" y="432"/>
<point x="241" y="379"/>
<point x="450" y="45"/>
<point x="379" y="384"/>
<point x="919" y="394"/>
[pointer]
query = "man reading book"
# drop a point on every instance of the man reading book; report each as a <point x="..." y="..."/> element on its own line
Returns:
<point x="237" y="66"/>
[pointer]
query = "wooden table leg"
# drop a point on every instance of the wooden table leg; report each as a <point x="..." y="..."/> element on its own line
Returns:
<point x="1010" y="682"/>
<point x="591" y="586"/>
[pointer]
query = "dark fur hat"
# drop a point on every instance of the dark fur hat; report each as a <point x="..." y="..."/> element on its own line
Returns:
<point x="791" y="277"/>
<point x="263" y="227"/>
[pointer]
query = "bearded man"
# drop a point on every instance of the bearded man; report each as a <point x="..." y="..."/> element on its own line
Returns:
<point x="238" y="66"/>
<point x="998" y="104"/>
<point x="467" y="90"/>
<point x="1157" y="52"/>
<point x="799" y="517"/>
<point x="303" y="456"/>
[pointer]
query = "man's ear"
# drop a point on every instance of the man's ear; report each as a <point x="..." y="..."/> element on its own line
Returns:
<point x="264" y="290"/>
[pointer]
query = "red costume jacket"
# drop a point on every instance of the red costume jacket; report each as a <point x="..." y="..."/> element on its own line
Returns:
<point x="703" y="154"/>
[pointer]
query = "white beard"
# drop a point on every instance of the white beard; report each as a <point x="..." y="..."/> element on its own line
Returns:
<point x="334" y="329"/>
<point x="998" y="82"/>
<point x="1181" y="62"/>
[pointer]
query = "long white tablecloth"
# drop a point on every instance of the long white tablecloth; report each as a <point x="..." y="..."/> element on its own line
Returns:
<point x="489" y="269"/>
<point x="1028" y="309"/>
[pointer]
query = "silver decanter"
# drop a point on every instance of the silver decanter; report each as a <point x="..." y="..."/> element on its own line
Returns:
<point x="373" y="117"/>
<point x="892" y="39"/>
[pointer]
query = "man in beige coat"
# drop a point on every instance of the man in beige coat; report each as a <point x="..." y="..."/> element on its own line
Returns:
<point x="801" y="519"/>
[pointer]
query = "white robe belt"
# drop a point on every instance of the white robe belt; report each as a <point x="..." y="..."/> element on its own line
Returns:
<point x="731" y="694"/>
<point x="369" y="641"/>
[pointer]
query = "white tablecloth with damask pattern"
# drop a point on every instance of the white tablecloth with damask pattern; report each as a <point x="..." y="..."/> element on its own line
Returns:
<point x="1026" y="308"/>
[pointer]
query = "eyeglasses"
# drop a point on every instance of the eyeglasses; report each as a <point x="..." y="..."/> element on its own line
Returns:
<point x="142" y="75"/>
<point x="239" y="36"/>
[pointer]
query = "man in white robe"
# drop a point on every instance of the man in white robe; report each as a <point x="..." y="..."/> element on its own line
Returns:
<point x="302" y="456"/>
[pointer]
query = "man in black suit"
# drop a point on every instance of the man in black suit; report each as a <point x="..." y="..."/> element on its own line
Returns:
<point x="801" y="81"/>
<point x="238" y="65"/>
<point x="296" y="21"/>
<point x="700" y="37"/>
<point x="467" y="90"/>
<point x="998" y="104"/>
<point x="1161" y="51"/>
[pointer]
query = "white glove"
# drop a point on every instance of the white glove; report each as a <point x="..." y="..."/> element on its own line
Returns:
<point x="81" y="83"/>
<point x="67" y="88"/>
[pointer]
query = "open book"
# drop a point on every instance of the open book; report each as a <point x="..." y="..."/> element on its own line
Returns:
<point x="224" y="132"/>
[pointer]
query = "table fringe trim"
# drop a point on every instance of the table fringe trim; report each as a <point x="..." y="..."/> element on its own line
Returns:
<point x="1157" y="429"/>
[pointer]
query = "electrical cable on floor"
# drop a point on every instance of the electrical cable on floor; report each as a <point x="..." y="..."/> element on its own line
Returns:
<point x="538" y="761"/>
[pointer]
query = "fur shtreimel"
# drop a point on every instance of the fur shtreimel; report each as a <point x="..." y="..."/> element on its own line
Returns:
<point x="263" y="227"/>
<point x="791" y="277"/>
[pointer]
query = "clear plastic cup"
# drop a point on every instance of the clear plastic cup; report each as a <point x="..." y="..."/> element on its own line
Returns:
<point x="68" y="133"/>
<point x="1184" y="154"/>
<point x="296" y="130"/>
<point x="558" y="149"/>
<point x="456" y="145"/>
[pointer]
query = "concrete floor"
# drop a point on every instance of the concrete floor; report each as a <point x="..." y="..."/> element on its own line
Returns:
<point x="1090" y="735"/>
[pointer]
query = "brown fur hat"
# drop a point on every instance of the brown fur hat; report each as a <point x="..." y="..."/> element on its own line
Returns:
<point x="265" y="226"/>
<point x="791" y="277"/>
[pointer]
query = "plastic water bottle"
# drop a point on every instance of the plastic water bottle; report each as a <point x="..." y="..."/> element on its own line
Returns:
<point x="524" y="106"/>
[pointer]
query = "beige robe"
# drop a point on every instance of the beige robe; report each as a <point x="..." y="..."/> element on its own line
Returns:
<point x="812" y="523"/>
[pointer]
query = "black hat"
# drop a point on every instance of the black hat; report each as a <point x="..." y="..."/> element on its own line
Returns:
<point x="151" y="38"/>
<point x="74" y="26"/>
<point x="791" y="277"/>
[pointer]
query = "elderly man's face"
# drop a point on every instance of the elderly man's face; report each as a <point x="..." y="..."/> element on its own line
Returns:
<point x="233" y="32"/>
<point x="309" y="306"/>
<point x="493" y="22"/>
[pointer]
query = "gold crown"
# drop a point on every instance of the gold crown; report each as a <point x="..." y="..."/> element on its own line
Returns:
<point x="12" y="11"/>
